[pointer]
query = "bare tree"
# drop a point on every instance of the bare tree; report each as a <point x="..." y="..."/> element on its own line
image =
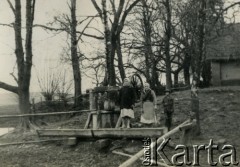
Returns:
<point x="74" y="56"/>
<point x="24" y="60"/>
<point x="112" y="35"/>
<point x="49" y="84"/>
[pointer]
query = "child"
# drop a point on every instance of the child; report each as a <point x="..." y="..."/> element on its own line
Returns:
<point x="126" y="101"/>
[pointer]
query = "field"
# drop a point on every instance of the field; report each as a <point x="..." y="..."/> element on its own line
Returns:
<point x="219" y="116"/>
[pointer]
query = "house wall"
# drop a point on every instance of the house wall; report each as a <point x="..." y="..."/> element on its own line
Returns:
<point x="230" y="73"/>
<point x="216" y="73"/>
<point x="225" y="73"/>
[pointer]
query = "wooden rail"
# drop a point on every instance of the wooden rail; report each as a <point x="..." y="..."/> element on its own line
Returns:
<point x="44" y="114"/>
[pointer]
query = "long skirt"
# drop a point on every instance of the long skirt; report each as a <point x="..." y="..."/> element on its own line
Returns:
<point x="127" y="113"/>
<point x="148" y="116"/>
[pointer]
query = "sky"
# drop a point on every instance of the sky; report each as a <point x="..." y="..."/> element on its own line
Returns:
<point x="47" y="46"/>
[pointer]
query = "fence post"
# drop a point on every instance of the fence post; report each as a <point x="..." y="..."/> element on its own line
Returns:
<point x="195" y="105"/>
<point x="33" y="110"/>
<point x="92" y="101"/>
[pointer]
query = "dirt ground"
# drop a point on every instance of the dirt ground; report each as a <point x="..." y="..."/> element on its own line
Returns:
<point x="219" y="118"/>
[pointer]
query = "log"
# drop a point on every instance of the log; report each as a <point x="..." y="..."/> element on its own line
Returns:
<point x="136" y="133"/>
<point x="128" y="155"/>
<point x="187" y="132"/>
<point x="134" y="158"/>
<point x="30" y="142"/>
<point x="188" y="126"/>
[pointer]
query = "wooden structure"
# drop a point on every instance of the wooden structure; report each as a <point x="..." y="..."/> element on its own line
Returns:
<point x="101" y="118"/>
<point x="224" y="53"/>
<point x="104" y="100"/>
<point x="135" y="133"/>
<point x="105" y="115"/>
<point x="137" y="156"/>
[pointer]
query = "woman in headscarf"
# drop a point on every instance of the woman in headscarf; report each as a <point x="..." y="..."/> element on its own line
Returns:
<point x="126" y="102"/>
<point x="149" y="105"/>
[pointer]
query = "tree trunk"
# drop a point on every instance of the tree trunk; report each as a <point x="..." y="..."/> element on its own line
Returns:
<point x="112" y="74"/>
<point x="186" y="69"/>
<point x="120" y="60"/>
<point x="74" y="56"/>
<point x="199" y="42"/>
<point x="111" y="37"/>
<point x="206" y="73"/>
<point x="149" y="59"/>
<point x="110" y="48"/>
<point x="24" y="67"/>
<point x="176" y="79"/>
<point x="167" y="46"/>
<point x="24" y="64"/>
<point x="24" y="107"/>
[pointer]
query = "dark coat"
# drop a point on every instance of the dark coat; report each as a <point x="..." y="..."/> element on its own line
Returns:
<point x="168" y="104"/>
<point x="126" y="97"/>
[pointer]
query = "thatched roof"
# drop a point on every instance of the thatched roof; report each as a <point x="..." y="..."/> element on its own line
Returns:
<point x="226" y="46"/>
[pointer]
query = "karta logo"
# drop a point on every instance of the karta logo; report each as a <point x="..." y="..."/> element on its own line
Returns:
<point x="182" y="153"/>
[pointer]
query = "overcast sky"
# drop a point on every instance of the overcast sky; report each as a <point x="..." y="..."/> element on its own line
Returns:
<point x="47" y="47"/>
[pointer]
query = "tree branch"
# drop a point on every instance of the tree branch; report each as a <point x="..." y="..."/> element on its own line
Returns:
<point x="97" y="8"/>
<point x="230" y="6"/>
<point x="90" y="35"/>
<point x="8" y="25"/>
<point x="11" y="6"/>
<point x="113" y="6"/>
<point x="125" y="15"/>
<point x="63" y="29"/>
<point x="8" y="87"/>
<point x="14" y="77"/>
<point x="80" y="36"/>
<point x="49" y="28"/>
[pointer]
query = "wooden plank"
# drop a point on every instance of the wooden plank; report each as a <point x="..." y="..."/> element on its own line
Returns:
<point x="83" y="133"/>
<point x="104" y="133"/>
<point x="95" y="121"/>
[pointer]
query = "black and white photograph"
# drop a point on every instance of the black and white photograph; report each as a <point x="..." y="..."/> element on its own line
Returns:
<point x="119" y="83"/>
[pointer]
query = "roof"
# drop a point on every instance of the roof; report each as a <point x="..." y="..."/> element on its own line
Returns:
<point x="226" y="46"/>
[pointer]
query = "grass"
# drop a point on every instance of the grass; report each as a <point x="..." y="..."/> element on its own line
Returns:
<point x="9" y="110"/>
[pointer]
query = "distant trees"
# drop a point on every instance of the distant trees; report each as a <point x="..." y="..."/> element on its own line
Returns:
<point x="69" y="24"/>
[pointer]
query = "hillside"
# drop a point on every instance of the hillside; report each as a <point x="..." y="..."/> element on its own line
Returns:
<point x="219" y="115"/>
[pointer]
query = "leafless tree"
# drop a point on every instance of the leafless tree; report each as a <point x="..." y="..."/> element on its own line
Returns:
<point x="24" y="58"/>
<point x="49" y="84"/>
<point x="112" y="34"/>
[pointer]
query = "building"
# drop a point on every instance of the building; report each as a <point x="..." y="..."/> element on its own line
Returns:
<point x="224" y="53"/>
